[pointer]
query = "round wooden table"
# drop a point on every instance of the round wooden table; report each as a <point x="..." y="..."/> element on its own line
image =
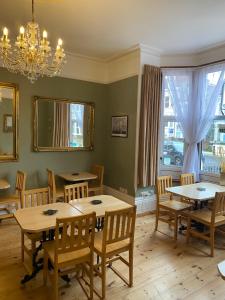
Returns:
<point x="4" y="184"/>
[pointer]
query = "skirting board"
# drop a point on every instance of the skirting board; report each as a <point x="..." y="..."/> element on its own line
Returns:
<point x="144" y="206"/>
<point x="125" y="197"/>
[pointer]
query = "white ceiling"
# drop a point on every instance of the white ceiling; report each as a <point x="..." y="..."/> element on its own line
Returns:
<point x="102" y="28"/>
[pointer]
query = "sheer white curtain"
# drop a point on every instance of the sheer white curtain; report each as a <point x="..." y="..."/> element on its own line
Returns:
<point x="194" y="94"/>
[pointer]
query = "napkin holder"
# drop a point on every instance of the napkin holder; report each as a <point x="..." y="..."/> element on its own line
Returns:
<point x="222" y="178"/>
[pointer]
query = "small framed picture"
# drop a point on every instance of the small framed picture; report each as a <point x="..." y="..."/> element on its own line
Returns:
<point x="120" y="126"/>
<point x="8" y="123"/>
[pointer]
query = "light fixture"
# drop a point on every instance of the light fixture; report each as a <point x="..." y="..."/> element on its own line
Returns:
<point x="31" y="56"/>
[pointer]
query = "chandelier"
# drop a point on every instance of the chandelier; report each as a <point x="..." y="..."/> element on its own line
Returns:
<point x="31" y="55"/>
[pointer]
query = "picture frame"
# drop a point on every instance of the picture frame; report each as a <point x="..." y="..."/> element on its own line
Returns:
<point x="8" y="123"/>
<point x="119" y="126"/>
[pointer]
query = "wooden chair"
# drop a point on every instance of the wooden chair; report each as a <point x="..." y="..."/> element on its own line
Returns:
<point x="14" y="198"/>
<point x="75" y="191"/>
<point x="96" y="186"/>
<point x="167" y="209"/>
<point x="187" y="178"/>
<point x="55" y="192"/>
<point x="221" y="269"/>
<point x="31" y="198"/>
<point x="117" y="237"/>
<point x="212" y="219"/>
<point x="73" y="245"/>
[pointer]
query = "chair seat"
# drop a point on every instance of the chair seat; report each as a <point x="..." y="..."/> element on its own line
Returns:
<point x="204" y="215"/>
<point x="221" y="269"/>
<point x="65" y="257"/>
<point x="10" y="198"/>
<point x="174" y="205"/>
<point x="111" y="247"/>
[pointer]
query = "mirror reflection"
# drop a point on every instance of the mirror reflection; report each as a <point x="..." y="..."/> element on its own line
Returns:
<point x="8" y="122"/>
<point x="63" y="125"/>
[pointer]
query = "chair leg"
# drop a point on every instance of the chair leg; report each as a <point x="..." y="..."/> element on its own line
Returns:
<point x="103" y="275"/>
<point x="91" y="277"/>
<point x="131" y="267"/>
<point x="56" y="288"/>
<point x="188" y="230"/>
<point x="22" y="246"/>
<point x="45" y="268"/>
<point x="212" y="240"/>
<point x="175" y="226"/>
<point x="156" y="219"/>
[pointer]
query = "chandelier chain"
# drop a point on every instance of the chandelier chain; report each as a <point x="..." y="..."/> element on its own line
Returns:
<point x="33" y="11"/>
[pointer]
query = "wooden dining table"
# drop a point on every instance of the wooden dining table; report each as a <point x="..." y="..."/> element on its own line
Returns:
<point x="33" y="219"/>
<point x="198" y="192"/>
<point x="77" y="176"/>
<point x="107" y="202"/>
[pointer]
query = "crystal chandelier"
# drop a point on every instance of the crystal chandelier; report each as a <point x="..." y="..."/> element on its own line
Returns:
<point x="31" y="56"/>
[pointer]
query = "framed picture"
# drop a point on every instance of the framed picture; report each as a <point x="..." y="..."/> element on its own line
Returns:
<point x="8" y="123"/>
<point x="120" y="126"/>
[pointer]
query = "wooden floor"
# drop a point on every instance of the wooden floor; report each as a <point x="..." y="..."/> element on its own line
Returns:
<point x="162" y="269"/>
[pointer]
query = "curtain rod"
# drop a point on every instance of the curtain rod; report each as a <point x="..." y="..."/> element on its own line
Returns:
<point x="196" y="66"/>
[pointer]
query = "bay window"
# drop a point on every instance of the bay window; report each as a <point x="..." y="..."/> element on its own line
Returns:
<point x="192" y="120"/>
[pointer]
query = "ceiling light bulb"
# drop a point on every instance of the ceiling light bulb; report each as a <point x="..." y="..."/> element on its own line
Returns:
<point x="60" y="42"/>
<point x="45" y="34"/>
<point x="5" y="31"/>
<point x="22" y="30"/>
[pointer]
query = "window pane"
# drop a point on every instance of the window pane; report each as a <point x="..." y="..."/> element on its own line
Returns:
<point x="167" y="109"/>
<point x="213" y="148"/>
<point x="76" y="125"/>
<point x="173" y="145"/>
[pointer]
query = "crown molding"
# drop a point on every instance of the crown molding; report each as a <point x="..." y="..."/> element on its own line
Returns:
<point x="129" y="62"/>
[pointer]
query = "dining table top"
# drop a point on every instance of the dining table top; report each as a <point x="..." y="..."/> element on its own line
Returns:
<point x="33" y="219"/>
<point x="108" y="203"/>
<point x="201" y="191"/>
<point x="77" y="176"/>
<point x="4" y="184"/>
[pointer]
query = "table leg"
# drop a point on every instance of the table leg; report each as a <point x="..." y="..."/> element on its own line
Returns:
<point x="38" y="264"/>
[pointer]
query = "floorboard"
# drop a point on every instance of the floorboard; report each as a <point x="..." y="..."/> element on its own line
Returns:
<point x="162" y="269"/>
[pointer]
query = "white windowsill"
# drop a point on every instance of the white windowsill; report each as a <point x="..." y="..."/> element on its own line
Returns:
<point x="175" y="172"/>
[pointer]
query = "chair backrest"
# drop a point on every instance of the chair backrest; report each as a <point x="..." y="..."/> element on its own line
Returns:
<point x="51" y="185"/>
<point x="218" y="206"/>
<point x="74" y="233"/>
<point x="35" y="197"/>
<point x="187" y="178"/>
<point x="20" y="181"/>
<point x="119" y="225"/>
<point x="99" y="171"/>
<point x="75" y="191"/>
<point x="162" y="183"/>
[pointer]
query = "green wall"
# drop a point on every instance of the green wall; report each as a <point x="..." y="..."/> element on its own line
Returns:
<point x="117" y="154"/>
<point x="120" y="160"/>
<point x="35" y="163"/>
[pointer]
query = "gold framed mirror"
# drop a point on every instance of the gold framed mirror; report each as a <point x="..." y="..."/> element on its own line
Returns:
<point x="62" y="125"/>
<point x="9" y="107"/>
